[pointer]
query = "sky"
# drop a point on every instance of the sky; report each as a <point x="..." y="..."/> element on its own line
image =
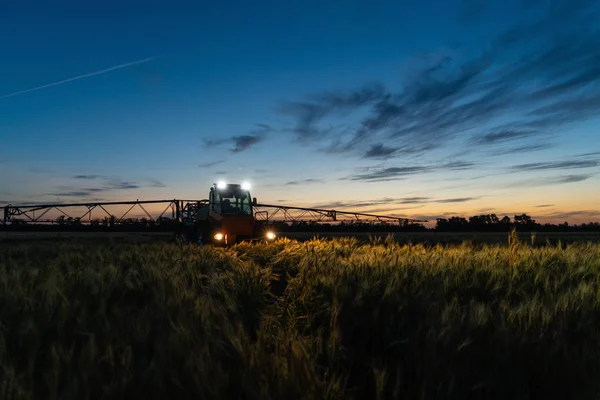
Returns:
<point x="417" y="109"/>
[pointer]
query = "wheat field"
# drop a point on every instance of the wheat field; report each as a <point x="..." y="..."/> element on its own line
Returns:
<point x="321" y="319"/>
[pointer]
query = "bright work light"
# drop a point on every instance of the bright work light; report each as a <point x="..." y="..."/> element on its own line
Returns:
<point x="246" y="185"/>
<point x="219" y="236"/>
<point x="222" y="185"/>
<point x="270" y="235"/>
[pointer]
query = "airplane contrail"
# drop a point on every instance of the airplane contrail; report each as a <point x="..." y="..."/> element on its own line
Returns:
<point x="103" y="71"/>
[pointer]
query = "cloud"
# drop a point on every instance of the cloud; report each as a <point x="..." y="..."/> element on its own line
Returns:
<point x="552" y="181"/>
<point x="589" y="215"/>
<point x="544" y="205"/>
<point x="211" y="164"/>
<point x="88" y="177"/>
<point x="572" y="178"/>
<point x="108" y="184"/>
<point x="456" y="200"/>
<point x="413" y="200"/>
<point x="359" y="206"/>
<point x="541" y="166"/>
<point x="391" y="173"/>
<point x="74" y="193"/>
<point x="242" y="142"/>
<point x="397" y="173"/>
<point x="308" y="113"/>
<point x="420" y="201"/>
<point x="380" y="151"/>
<point x="593" y="154"/>
<point x="103" y="71"/>
<point x="524" y="149"/>
<point x="156" y="183"/>
<point x="215" y="142"/>
<point x="540" y="76"/>
<point x="503" y="135"/>
<point x="388" y="211"/>
<point x="121" y="185"/>
<point x="304" y="181"/>
<point x="367" y="203"/>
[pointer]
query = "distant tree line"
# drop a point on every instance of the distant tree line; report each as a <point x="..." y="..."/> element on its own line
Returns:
<point x="492" y="223"/>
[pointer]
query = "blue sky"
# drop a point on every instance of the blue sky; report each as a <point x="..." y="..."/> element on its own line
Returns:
<point x="420" y="109"/>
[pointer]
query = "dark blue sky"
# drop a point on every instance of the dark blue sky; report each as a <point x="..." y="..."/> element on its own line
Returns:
<point x="415" y="108"/>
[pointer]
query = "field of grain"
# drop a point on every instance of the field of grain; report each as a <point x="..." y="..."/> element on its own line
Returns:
<point x="319" y="319"/>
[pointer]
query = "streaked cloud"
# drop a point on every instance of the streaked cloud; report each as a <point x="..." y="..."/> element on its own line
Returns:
<point x="564" y="165"/>
<point x="524" y="149"/>
<point x="242" y="142"/>
<point x="558" y="180"/>
<point x="304" y="181"/>
<point x="211" y="164"/>
<point x="456" y="200"/>
<point x="447" y="95"/>
<point x="398" y="173"/>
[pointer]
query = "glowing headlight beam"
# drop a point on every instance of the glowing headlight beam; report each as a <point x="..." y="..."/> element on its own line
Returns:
<point x="270" y="235"/>
<point x="218" y="236"/>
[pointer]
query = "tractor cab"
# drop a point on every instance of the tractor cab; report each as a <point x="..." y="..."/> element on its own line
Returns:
<point x="230" y="199"/>
<point x="230" y="208"/>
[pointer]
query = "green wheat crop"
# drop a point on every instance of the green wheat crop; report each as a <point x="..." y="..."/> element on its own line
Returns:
<point x="322" y="319"/>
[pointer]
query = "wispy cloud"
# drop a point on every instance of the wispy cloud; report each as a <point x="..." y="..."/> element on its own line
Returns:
<point x="523" y="149"/>
<point x="503" y="135"/>
<point x="588" y="214"/>
<point x="74" y="193"/>
<point x="156" y="183"/>
<point x="211" y="164"/>
<point x="397" y="173"/>
<point x="379" y="150"/>
<point x="121" y="185"/>
<point x="456" y="200"/>
<point x="242" y="142"/>
<point x="593" y="154"/>
<point x="551" y="181"/>
<point x="414" y="200"/>
<point x="304" y="181"/>
<point x="571" y="164"/>
<point x="88" y="177"/>
<point x="104" y="184"/>
<point x="544" y="205"/>
<point x="100" y="72"/>
<point x="399" y="203"/>
<point x="448" y="95"/>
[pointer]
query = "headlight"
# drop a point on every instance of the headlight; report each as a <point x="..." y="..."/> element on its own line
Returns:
<point x="270" y="235"/>
<point x="218" y="236"/>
